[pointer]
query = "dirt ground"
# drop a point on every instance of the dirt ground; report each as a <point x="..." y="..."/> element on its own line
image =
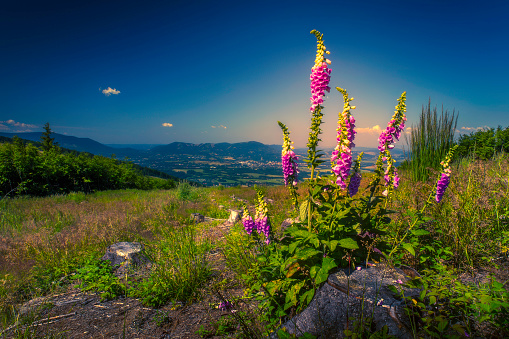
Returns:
<point x="76" y="314"/>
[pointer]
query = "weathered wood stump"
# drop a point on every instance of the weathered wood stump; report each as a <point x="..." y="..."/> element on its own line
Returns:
<point x="123" y="255"/>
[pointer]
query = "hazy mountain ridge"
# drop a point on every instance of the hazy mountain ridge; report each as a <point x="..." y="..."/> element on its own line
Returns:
<point x="243" y="163"/>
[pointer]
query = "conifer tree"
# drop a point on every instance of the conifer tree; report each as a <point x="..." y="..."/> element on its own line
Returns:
<point x="46" y="139"/>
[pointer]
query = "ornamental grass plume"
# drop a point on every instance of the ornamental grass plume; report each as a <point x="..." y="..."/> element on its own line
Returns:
<point x="394" y="128"/>
<point x="445" y="175"/>
<point x="261" y="221"/>
<point x="247" y="221"/>
<point x="341" y="159"/>
<point x="320" y="73"/>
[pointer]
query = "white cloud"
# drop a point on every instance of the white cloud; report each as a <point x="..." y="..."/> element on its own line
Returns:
<point x="473" y="128"/>
<point x="3" y="127"/>
<point x="17" y="124"/>
<point x="109" y="91"/>
<point x="220" y="126"/>
<point x="167" y="124"/>
<point x="370" y="130"/>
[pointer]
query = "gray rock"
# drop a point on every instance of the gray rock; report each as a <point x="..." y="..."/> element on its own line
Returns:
<point x="352" y="294"/>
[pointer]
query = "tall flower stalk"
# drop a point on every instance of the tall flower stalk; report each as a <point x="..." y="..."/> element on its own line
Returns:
<point x="341" y="159"/>
<point x="261" y="221"/>
<point x="289" y="163"/>
<point x="445" y="175"/>
<point x="386" y="142"/>
<point x="320" y="77"/>
<point x="436" y="194"/>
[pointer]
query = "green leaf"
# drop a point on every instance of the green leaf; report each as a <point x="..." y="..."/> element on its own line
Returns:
<point x="328" y="264"/>
<point x="307" y="297"/>
<point x="303" y="210"/>
<point x="293" y="269"/>
<point x="348" y="243"/>
<point x="432" y="300"/>
<point x="313" y="271"/>
<point x="409" y="248"/>
<point x="419" y="232"/>
<point x="306" y="253"/>
<point x="442" y="325"/>
<point x="293" y="246"/>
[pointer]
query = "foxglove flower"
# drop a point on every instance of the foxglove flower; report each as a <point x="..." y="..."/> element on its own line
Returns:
<point x="247" y="221"/>
<point x="341" y="159"/>
<point x="288" y="158"/>
<point x="261" y="217"/>
<point x="320" y="73"/>
<point x="394" y="128"/>
<point x="445" y="176"/>
<point x="355" y="179"/>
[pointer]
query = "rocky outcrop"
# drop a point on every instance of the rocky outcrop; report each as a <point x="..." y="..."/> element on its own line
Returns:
<point x="355" y="294"/>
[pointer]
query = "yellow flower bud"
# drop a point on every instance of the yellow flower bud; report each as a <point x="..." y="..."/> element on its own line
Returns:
<point x="328" y="61"/>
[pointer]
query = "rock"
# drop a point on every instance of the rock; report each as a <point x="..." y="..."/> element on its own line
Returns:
<point x="220" y="207"/>
<point x="327" y="314"/>
<point x="124" y="255"/>
<point x="287" y="223"/>
<point x="235" y="215"/>
<point x="197" y="217"/>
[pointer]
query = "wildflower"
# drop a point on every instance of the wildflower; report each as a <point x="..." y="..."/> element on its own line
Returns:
<point x="247" y="221"/>
<point x="380" y="302"/>
<point x="376" y="250"/>
<point x="288" y="158"/>
<point x="358" y="268"/>
<point x="225" y="305"/>
<point x="445" y="176"/>
<point x="261" y="219"/>
<point x="320" y="74"/>
<point x="341" y="159"/>
<point x="394" y="127"/>
<point x="355" y="179"/>
<point x="399" y="281"/>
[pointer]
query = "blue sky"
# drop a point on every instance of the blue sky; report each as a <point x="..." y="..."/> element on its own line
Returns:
<point x="215" y="71"/>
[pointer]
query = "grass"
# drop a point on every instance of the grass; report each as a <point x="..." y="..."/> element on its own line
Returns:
<point x="59" y="237"/>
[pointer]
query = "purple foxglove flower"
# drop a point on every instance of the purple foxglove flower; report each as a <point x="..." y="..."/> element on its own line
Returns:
<point x="442" y="186"/>
<point x="376" y="250"/>
<point x="394" y="127"/>
<point x="225" y="305"/>
<point x="341" y="159"/>
<point x="353" y="185"/>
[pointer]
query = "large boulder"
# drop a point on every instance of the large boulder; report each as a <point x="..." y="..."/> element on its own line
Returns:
<point x="351" y="293"/>
<point x="235" y="215"/>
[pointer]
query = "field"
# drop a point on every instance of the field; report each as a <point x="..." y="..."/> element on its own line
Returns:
<point x="50" y="247"/>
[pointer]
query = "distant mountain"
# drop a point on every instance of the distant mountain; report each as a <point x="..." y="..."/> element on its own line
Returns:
<point x="78" y="144"/>
<point x="251" y="150"/>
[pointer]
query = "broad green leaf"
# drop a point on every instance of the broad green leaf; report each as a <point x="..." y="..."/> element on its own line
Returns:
<point x="409" y="248"/>
<point x="313" y="271"/>
<point x="321" y="277"/>
<point x="328" y="264"/>
<point x="307" y="297"/>
<point x="314" y="240"/>
<point x="432" y="300"/>
<point x="293" y="246"/>
<point x="348" y="243"/>
<point x="303" y="210"/>
<point x="419" y="232"/>
<point x="306" y="253"/>
<point x="442" y="325"/>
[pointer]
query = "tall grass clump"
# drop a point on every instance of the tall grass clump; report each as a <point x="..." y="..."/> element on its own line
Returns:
<point x="429" y="141"/>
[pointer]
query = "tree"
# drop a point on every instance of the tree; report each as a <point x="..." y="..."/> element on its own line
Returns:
<point x="46" y="139"/>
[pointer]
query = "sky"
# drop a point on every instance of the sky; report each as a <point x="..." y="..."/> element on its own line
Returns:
<point x="155" y="72"/>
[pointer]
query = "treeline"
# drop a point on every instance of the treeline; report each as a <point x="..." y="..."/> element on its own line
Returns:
<point x="485" y="143"/>
<point x="26" y="169"/>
